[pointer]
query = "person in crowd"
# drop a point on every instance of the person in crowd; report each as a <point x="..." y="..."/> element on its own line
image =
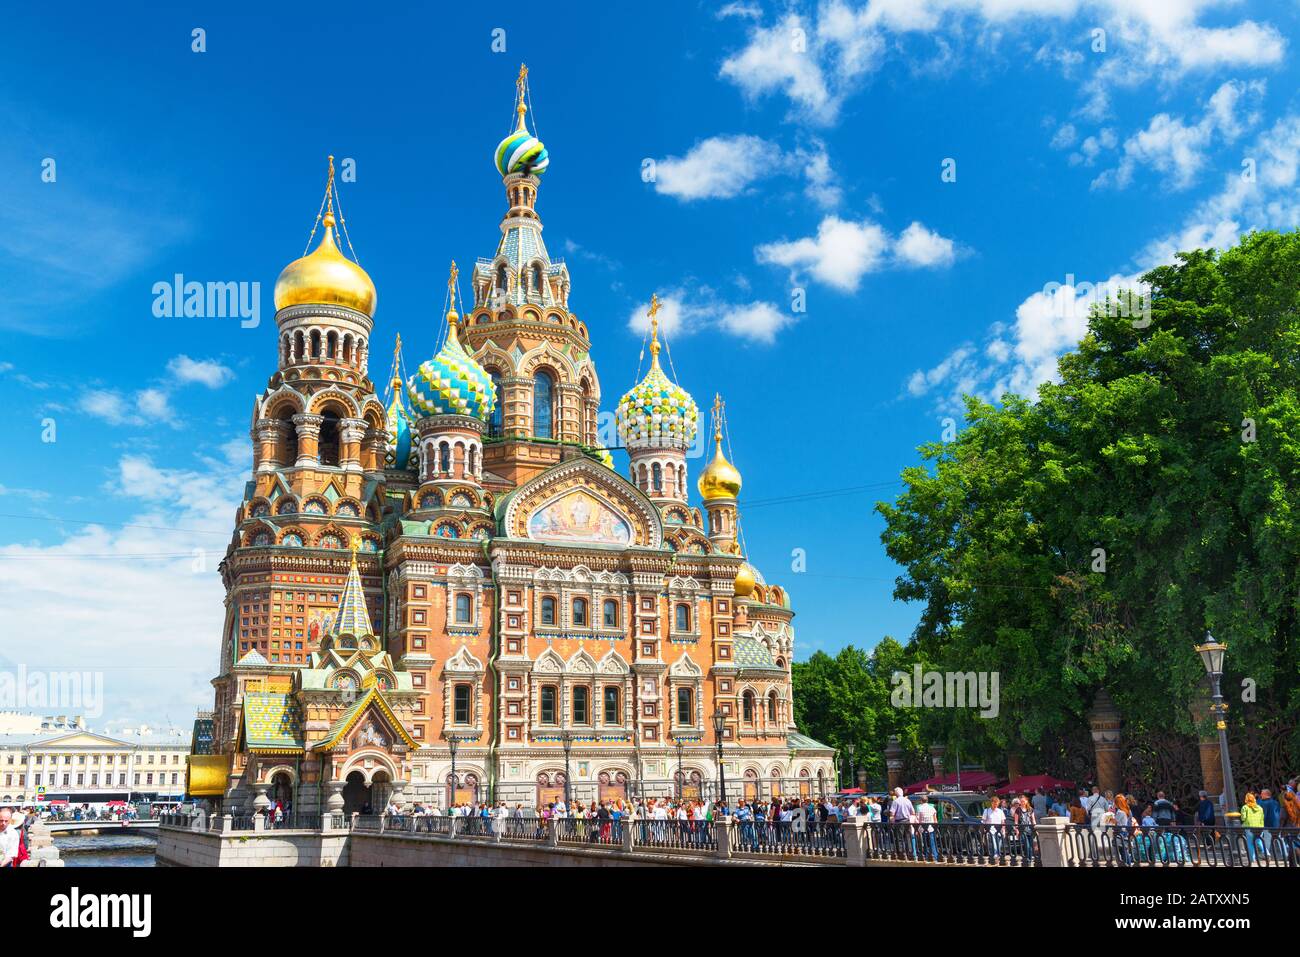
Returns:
<point x="1252" y="821"/>
<point x="926" y="818"/>
<point x="10" y="839"/>
<point x="1164" y="810"/>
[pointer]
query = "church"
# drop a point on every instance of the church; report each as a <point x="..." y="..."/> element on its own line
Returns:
<point x="448" y="593"/>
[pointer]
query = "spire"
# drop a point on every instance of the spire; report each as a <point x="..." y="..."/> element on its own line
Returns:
<point x="521" y="93"/>
<point x="720" y="479"/>
<point x="395" y="380"/>
<point x="352" y="618"/>
<point x="654" y="330"/>
<point x="452" y="317"/>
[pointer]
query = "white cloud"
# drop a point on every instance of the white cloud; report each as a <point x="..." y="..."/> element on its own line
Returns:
<point x="918" y="246"/>
<point x="683" y="313"/>
<point x="816" y="61"/>
<point x="208" y="372"/>
<point x="843" y="252"/>
<point x="1171" y="146"/>
<point x="1065" y="137"/>
<point x="758" y="321"/>
<point x="722" y="167"/>
<point x="748" y="11"/>
<point x="168" y="551"/>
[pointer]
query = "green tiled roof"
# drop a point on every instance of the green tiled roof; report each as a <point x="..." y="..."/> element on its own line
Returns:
<point x="801" y="742"/>
<point x="272" y="722"/>
<point x="752" y="654"/>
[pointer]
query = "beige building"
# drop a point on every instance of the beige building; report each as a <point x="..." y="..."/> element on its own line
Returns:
<point x="82" y="767"/>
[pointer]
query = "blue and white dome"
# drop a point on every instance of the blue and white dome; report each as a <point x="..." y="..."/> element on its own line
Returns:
<point x="451" y="383"/>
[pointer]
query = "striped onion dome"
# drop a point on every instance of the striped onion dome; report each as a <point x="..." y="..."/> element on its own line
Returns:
<point x="521" y="152"/>
<point x="451" y="383"/>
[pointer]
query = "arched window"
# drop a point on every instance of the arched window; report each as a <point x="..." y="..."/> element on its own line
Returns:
<point x="581" y="715"/>
<point x="657" y="477"/>
<point x="461" y="709"/>
<point x="503" y="280"/>
<point x="747" y="707"/>
<point x="610" y="613"/>
<point x="548" y="705"/>
<point x="543" y="406"/>
<point x="329" y="440"/>
<point x="685" y="713"/>
<point x="463" y="615"/>
<point x="496" y="420"/>
<point x="444" y="458"/>
<point x="580" y="612"/>
<point x="771" y="707"/>
<point x="548" y="611"/>
<point x="611" y="705"/>
<point x="682" y="618"/>
<point x="537" y="279"/>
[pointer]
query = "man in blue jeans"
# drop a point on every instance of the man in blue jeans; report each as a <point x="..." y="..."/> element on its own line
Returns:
<point x="1272" y="816"/>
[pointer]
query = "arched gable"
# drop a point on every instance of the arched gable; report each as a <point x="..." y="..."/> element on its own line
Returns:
<point x="582" y="502"/>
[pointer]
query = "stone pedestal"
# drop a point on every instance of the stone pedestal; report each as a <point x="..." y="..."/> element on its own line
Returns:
<point x="40" y="848"/>
<point x="1054" y="847"/>
<point x="334" y="803"/>
<point x="1107" y="739"/>
<point x="722" y="831"/>
<point x="854" y="831"/>
<point x="894" y="762"/>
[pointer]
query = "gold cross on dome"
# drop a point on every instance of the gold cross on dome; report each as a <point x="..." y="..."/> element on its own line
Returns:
<point x="451" y="280"/>
<point x="523" y="77"/>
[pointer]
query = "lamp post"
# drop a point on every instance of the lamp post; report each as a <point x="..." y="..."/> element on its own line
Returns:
<point x="452" y="743"/>
<point x="566" y="738"/>
<point x="681" y="777"/>
<point x="1212" y="654"/>
<point x="718" y="726"/>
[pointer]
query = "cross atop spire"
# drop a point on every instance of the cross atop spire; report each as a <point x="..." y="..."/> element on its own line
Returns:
<point x="654" y="327"/>
<point x="521" y="89"/>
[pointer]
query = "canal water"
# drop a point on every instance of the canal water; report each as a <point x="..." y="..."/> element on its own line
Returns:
<point x="107" y="850"/>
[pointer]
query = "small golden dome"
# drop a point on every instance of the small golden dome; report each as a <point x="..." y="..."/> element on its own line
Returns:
<point x="745" y="581"/>
<point x="325" y="277"/>
<point x="720" y="479"/>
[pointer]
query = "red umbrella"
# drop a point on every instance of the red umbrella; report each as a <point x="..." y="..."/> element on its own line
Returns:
<point x="1032" y="782"/>
<point x="970" y="781"/>
<point x="853" y="791"/>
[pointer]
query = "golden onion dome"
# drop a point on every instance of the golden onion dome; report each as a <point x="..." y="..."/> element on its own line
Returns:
<point x="720" y="479"/>
<point x="745" y="581"/>
<point x="325" y="277"/>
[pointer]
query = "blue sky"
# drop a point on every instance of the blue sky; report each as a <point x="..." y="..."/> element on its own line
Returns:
<point x="797" y="151"/>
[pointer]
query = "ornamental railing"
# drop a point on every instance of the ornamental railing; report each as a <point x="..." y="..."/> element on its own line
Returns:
<point x="953" y="842"/>
<point x="782" y="838"/>
<point x="1181" y="846"/>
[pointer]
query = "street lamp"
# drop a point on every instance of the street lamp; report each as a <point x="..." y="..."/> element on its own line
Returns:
<point x="453" y="742"/>
<point x="718" y="726"/>
<point x="1212" y="654"/>
<point x="681" y="777"/>
<point x="566" y="738"/>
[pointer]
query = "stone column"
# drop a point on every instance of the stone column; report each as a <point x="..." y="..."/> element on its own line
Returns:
<point x="722" y="831"/>
<point x="308" y="427"/>
<point x="894" y="762"/>
<point x="374" y="446"/>
<point x="351" y="432"/>
<point x="267" y="433"/>
<point x="937" y="752"/>
<point x="1015" y="765"/>
<point x="1201" y="708"/>
<point x="1107" y="738"/>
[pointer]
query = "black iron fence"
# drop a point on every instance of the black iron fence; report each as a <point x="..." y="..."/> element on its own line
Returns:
<point x="953" y="842"/>
<point x="582" y="830"/>
<point x="679" y="835"/>
<point x="1180" y="846"/>
<point x="812" y="839"/>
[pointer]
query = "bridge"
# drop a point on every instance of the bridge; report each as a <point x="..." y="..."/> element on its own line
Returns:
<point x="58" y="827"/>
